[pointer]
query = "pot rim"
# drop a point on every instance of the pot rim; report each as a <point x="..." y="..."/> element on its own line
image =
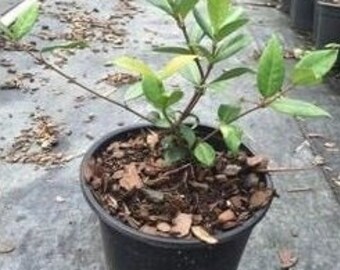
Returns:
<point x="116" y="224"/>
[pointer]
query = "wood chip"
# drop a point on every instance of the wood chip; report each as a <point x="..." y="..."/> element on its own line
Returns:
<point x="256" y="161"/>
<point x="287" y="259"/>
<point x="260" y="198"/>
<point x="227" y="216"/>
<point x="182" y="224"/>
<point x="201" y="234"/>
<point x="131" y="179"/>
<point x="152" y="139"/>
<point x="163" y="227"/>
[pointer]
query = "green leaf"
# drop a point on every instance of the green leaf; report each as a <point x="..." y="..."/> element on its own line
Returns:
<point x="157" y="119"/>
<point x="205" y="154"/>
<point x="174" y="97"/>
<point x="5" y="30"/>
<point x="230" y="28"/>
<point x="25" y="22"/>
<point x="228" y="113"/>
<point x="191" y="73"/>
<point x="196" y="34"/>
<point x="218" y="11"/>
<point x="232" y="73"/>
<point x="189" y="135"/>
<point x="203" y="23"/>
<point x="305" y="76"/>
<point x="230" y="47"/>
<point x="162" y="4"/>
<point x="134" y="65"/>
<point x="154" y="92"/>
<point x="134" y="91"/>
<point x="319" y="63"/>
<point x="298" y="108"/>
<point x="271" y="71"/>
<point x="69" y="45"/>
<point x="175" y="65"/>
<point x="232" y="136"/>
<point x="173" y="50"/>
<point x="185" y="6"/>
<point x="234" y="14"/>
<point x="203" y="51"/>
<point x="174" y="154"/>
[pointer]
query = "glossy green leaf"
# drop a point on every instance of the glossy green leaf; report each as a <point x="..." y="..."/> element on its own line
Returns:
<point x="196" y="34"/>
<point x="134" y="65"/>
<point x="191" y="73"/>
<point x="228" y="113"/>
<point x="65" y="46"/>
<point x="188" y="135"/>
<point x="230" y="47"/>
<point x="185" y="6"/>
<point x="134" y="91"/>
<point x="232" y="73"/>
<point x="203" y="23"/>
<point x="205" y="154"/>
<point x="25" y="22"/>
<point x="203" y="51"/>
<point x="298" y="108"/>
<point x="230" y="28"/>
<point x="174" y="97"/>
<point x="305" y="76"/>
<point x="175" y="154"/>
<point x="162" y="4"/>
<point x="234" y="14"/>
<point x="314" y="66"/>
<point x="154" y="91"/>
<point x="175" y="65"/>
<point x="271" y="71"/>
<point x="173" y="50"/>
<point x="232" y="136"/>
<point x="218" y="11"/>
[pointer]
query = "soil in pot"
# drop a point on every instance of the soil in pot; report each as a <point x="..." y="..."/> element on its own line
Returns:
<point x="328" y="23"/>
<point x="132" y="182"/>
<point x="302" y="14"/>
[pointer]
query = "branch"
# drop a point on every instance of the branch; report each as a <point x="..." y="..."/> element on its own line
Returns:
<point x="70" y="79"/>
<point x="262" y="105"/>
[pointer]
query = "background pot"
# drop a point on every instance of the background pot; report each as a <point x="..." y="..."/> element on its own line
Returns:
<point x="327" y="24"/>
<point x="302" y="14"/>
<point x="128" y="249"/>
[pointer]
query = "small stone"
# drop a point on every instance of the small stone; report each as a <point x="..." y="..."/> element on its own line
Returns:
<point x="59" y="199"/>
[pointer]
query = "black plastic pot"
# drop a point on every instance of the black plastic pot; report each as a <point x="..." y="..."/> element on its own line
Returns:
<point x="302" y="14"/>
<point x="327" y="24"/>
<point x="129" y="249"/>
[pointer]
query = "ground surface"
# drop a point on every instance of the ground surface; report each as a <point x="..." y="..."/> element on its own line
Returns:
<point x="44" y="220"/>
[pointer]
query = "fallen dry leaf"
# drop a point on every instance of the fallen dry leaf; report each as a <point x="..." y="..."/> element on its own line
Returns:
<point x="6" y="247"/>
<point x="260" y="198"/>
<point x="182" y="224"/>
<point x="287" y="259"/>
<point x="131" y="178"/>
<point x="227" y="216"/>
<point x="203" y="235"/>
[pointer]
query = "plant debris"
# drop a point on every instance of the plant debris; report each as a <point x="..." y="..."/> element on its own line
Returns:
<point x="37" y="144"/>
<point x="287" y="259"/>
<point x="131" y="181"/>
<point x="119" y="79"/>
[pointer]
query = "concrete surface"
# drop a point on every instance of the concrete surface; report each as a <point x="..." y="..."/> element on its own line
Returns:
<point x="48" y="234"/>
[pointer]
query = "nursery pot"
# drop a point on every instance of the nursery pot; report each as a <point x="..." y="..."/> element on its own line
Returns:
<point x="302" y="14"/>
<point x="129" y="249"/>
<point x="328" y="24"/>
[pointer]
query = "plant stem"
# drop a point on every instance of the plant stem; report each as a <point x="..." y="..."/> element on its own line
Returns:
<point x="70" y="79"/>
<point x="262" y="105"/>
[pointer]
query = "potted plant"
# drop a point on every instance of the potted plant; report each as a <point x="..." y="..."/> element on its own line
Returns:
<point x="174" y="193"/>
<point x="327" y="25"/>
<point x="302" y="14"/>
